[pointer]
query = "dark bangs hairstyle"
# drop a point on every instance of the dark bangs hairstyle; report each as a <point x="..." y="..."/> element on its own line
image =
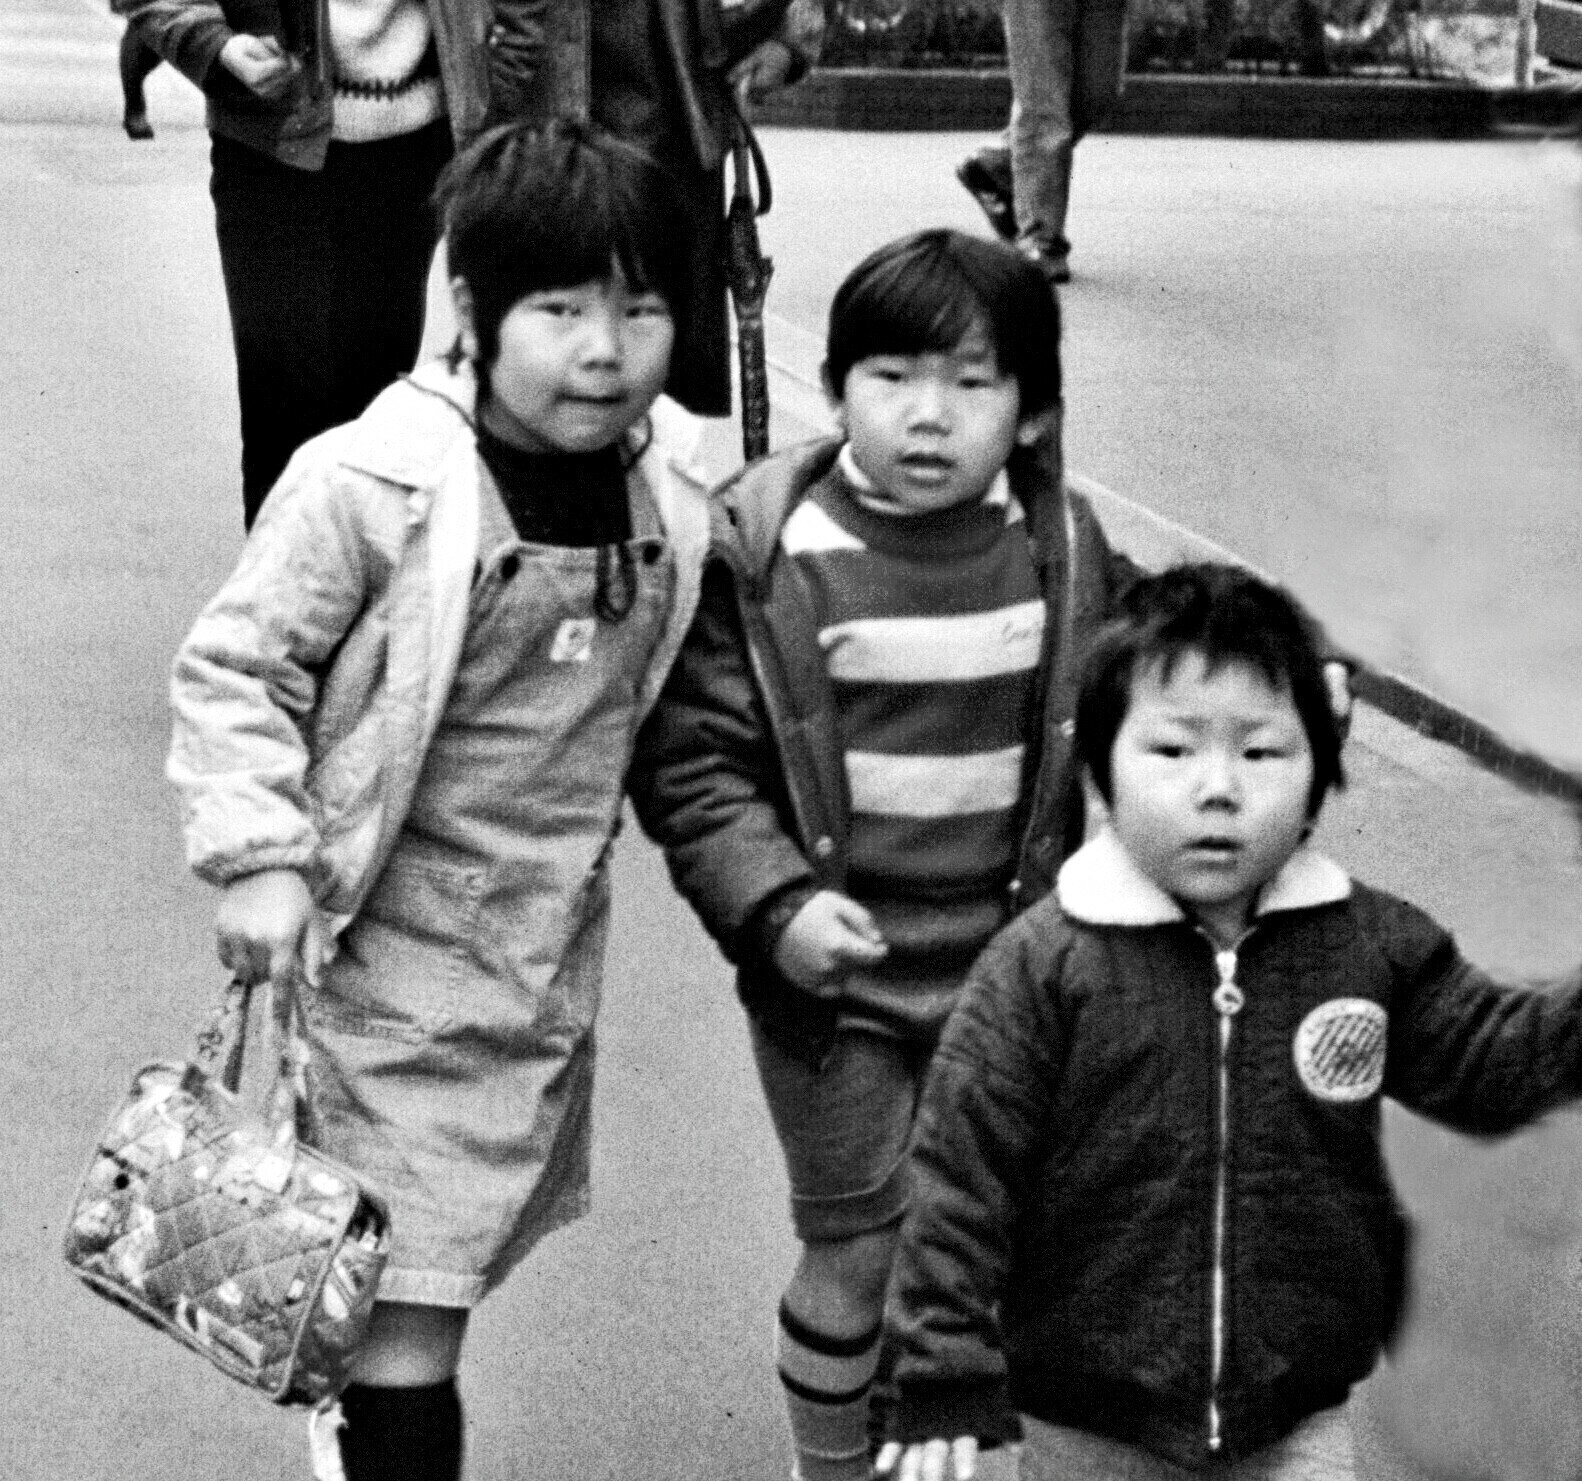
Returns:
<point x="924" y="293"/>
<point x="1225" y="615"/>
<point x="528" y="208"/>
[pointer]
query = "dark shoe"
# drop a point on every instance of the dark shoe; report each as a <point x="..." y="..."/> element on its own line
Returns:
<point x="137" y="126"/>
<point x="987" y="175"/>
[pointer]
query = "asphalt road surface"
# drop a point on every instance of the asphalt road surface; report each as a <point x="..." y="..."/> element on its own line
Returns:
<point x="1349" y="362"/>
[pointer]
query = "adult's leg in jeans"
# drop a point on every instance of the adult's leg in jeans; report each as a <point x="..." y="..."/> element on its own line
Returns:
<point x="1100" y="63"/>
<point x="1040" y="46"/>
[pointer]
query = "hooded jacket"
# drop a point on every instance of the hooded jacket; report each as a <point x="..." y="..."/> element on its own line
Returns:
<point x="739" y="771"/>
<point x="1150" y="1199"/>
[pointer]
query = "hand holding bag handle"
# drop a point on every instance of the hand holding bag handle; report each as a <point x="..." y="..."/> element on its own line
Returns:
<point x="227" y="1028"/>
<point x="217" y="1226"/>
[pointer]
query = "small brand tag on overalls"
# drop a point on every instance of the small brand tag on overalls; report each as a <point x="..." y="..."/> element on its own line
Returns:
<point x="573" y="640"/>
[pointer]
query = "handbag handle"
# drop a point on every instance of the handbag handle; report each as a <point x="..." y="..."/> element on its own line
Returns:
<point x="226" y="1029"/>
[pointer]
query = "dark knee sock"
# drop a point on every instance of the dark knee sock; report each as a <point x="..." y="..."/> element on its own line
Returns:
<point x="402" y="1434"/>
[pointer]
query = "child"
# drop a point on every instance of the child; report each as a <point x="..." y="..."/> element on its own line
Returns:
<point x="406" y="718"/>
<point x="862" y="761"/>
<point x="1151" y="1210"/>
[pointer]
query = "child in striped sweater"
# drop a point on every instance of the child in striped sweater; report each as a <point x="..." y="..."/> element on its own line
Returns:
<point x="861" y="766"/>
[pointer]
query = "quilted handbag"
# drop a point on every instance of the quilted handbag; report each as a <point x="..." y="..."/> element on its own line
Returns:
<point x="209" y="1220"/>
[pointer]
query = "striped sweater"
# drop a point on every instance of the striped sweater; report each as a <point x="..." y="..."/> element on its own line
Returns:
<point x="932" y="629"/>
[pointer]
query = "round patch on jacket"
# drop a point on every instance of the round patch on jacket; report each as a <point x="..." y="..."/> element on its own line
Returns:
<point x="1339" y="1049"/>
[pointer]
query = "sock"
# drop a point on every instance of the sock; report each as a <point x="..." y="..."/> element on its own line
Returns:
<point x="826" y="1383"/>
<point x="401" y="1434"/>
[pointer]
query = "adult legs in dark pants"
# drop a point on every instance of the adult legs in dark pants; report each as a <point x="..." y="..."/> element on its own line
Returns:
<point x="326" y="274"/>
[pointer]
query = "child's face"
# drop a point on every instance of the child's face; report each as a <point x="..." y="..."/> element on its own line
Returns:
<point x="577" y="366"/>
<point x="932" y="430"/>
<point x="1209" y="780"/>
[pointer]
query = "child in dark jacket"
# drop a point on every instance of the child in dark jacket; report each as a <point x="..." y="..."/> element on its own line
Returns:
<point x="1150" y="1208"/>
<point x="862" y="762"/>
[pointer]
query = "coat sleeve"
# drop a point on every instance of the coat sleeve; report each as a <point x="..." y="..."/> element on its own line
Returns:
<point x="1469" y="1052"/>
<point x="517" y="44"/>
<point x="982" y="1121"/>
<point x="706" y="779"/>
<point x="189" y="34"/>
<point x="245" y="683"/>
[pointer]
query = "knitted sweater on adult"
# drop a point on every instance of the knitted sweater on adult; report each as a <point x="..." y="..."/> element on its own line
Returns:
<point x="386" y="69"/>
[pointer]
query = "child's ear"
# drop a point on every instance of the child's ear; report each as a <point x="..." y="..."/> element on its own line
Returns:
<point x="837" y="407"/>
<point x="1034" y="429"/>
<point x="466" y="324"/>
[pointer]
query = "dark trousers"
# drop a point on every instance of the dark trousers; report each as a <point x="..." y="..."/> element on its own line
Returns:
<point x="326" y="275"/>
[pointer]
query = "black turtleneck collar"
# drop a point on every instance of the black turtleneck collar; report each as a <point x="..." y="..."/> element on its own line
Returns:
<point x="558" y="498"/>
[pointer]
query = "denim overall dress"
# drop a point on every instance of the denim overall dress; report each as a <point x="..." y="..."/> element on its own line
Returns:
<point x="452" y="1038"/>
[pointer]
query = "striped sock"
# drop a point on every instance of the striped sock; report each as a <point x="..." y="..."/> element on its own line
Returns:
<point x="826" y="1383"/>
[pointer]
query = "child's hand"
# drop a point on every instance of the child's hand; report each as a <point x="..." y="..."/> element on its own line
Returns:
<point x="259" y="63"/>
<point x="826" y="938"/>
<point x="935" y="1460"/>
<point x="268" y="929"/>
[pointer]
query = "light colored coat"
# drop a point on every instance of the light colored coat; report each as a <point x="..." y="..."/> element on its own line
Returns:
<point x="309" y="689"/>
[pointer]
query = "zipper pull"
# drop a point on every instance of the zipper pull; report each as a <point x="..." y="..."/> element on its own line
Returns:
<point x="1227" y="998"/>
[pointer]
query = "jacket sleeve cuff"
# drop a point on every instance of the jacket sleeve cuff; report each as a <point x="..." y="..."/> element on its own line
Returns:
<point x="222" y="869"/>
<point x="946" y="1410"/>
<point x="204" y="59"/>
<point x="766" y="925"/>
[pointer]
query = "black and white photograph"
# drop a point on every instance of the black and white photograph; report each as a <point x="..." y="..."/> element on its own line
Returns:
<point x="791" y="740"/>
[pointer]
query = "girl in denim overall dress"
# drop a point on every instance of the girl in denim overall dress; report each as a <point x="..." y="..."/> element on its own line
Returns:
<point x="404" y="723"/>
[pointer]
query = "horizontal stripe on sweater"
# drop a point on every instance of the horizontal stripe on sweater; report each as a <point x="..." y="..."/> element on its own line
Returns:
<point x="902" y="719"/>
<point x="934" y="786"/>
<point x="921" y="650"/>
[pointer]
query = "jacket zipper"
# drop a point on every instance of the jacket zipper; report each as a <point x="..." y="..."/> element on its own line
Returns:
<point x="1228" y="1000"/>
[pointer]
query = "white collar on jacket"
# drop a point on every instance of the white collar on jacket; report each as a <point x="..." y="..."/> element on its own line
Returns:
<point x="1101" y="885"/>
